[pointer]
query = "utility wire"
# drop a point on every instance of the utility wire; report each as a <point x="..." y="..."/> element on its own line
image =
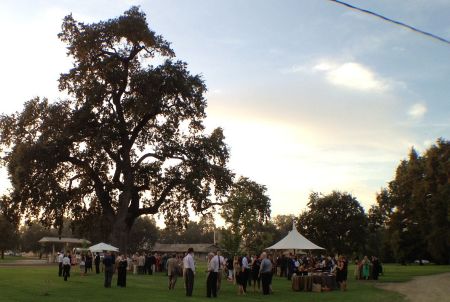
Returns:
<point x="392" y="21"/>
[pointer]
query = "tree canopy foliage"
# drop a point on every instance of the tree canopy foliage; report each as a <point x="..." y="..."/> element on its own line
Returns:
<point x="129" y="140"/>
<point x="195" y="232"/>
<point x="336" y="222"/>
<point x="246" y="211"/>
<point x="9" y="222"/>
<point x="415" y="207"/>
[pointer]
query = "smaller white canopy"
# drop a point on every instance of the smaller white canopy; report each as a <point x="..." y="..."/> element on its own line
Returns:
<point x="294" y="241"/>
<point x="100" y="247"/>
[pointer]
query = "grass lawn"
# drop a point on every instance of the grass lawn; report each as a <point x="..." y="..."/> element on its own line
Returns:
<point x="41" y="283"/>
<point x="401" y="273"/>
<point x="10" y="259"/>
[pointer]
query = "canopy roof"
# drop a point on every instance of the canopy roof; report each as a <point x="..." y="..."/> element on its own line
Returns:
<point x="100" y="247"/>
<point x="63" y="240"/>
<point x="294" y="241"/>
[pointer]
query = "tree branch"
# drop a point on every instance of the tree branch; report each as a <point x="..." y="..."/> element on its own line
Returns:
<point x="98" y="184"/>
<point x="72" y="179"/>
<point x="159" y="157"/>
<point x="162" y="198"/>
<point x="135" y="132"/>
<point x="210" y="205"/>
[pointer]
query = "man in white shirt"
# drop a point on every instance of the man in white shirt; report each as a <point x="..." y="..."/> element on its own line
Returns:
<point x="60" y="265"/>
<point x="245" y="271"/>
<point x="213" y="271"/>
<point x="189" y="267"/>
<point x="66" y="266"/>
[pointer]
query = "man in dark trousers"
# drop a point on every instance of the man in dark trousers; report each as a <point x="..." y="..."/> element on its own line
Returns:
<point x="375" y="268"/>
<point x="66" y="265"/>
<point x="213" y="270"/>
<point x="147" y="266"/>
<point x="97" y="263"/>
<point x="189" y="266"/>
<point x="60" y="265"/>
<point x="283" y="265"/>
<point x="151" y="263"/>
<point x="290" y="266"/>
<point x="265" y="272"/>
<point x="108" y="262"/>
<point x="245" y="271"/>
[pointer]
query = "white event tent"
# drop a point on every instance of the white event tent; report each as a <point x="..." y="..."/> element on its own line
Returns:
<point x="100" y="247"/>
<point x="294" y="241"/>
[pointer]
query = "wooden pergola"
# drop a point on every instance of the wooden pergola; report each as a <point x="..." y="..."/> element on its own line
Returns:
<point x="64" y="240"/>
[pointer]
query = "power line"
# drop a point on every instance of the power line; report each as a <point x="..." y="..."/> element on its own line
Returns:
<point x="392" y="21"/>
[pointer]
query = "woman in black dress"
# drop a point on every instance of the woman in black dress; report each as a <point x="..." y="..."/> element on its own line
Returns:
<point x="238" y="275"/>
<point x="255" y="272"/>
<point x="88" y="264"/>
<point x="122" y="271"/>
<point x="341" y="273"/>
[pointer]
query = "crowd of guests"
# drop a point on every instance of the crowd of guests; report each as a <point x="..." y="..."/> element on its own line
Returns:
<point x="242" y="270"/>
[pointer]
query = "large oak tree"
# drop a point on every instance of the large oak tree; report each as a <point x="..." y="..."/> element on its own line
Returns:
<point x="127" y="141"/>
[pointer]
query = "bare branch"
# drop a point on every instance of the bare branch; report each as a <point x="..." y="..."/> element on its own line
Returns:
<point x="162" y="198"/>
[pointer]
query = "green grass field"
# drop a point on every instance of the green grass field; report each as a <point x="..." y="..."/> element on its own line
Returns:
<point x="10" y="259"/>
<point x="41" y="283"/>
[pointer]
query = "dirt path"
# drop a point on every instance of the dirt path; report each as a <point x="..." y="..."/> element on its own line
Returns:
<point x="423" y="289"/>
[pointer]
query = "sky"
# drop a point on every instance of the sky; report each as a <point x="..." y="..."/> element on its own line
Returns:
<point x="312" y="96"/>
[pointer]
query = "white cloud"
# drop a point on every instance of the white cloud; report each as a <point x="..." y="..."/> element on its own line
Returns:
<point x="351" y="75"/>
<point x="323" y="66"/>
<point x="295" y="69"/>
<point x="417" y="111"/>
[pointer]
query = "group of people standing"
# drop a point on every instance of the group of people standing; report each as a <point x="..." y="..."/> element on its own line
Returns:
<point x="247" y="270"/>
<point x="368" y="269"/>
<point x="85" y="261"/>
<point x="304" y="265"/>
<point x="64" y="264"/>
<point x="110" y="264"/>
<point x="243" y="270"/>
<point x="147" y="263"/>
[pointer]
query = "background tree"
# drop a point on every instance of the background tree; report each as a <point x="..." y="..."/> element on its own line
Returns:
<point x="195" y="232"/>
<point x="8" y="235"/>
<point x="283" y="224"/>
<point x="247" y="208"/>
<point x="229" y="241"/>
<point x="377" y="239"/>
<point x="9" y="221"/>
<point x="31" y="233"/>
<point x="92" y="224"/>
<point x="143" y="234"/>
<point x="336" y="222"/>
<point x="129" y="140"/>
<point x="416" y="205"/>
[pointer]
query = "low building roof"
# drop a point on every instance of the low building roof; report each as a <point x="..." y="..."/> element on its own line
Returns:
<point x="63" y="240"/>
<point x="183" y="247"/>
